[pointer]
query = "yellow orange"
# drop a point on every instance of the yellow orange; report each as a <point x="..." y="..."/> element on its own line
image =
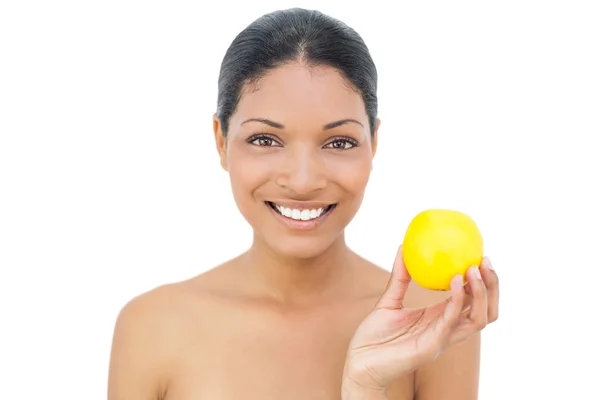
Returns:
<point x="438" y="244"/>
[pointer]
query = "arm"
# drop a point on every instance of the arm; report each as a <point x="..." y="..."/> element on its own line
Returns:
<point x="135" y="367"/>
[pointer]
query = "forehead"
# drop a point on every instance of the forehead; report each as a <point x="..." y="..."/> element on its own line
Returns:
<point x="296" y="94"/>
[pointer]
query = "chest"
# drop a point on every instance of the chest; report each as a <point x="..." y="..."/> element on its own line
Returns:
<point x="269" y="356"/>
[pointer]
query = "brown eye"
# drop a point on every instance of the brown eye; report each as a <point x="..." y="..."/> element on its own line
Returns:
<point x="342" y="144"/>
<point x="263" y="141"/>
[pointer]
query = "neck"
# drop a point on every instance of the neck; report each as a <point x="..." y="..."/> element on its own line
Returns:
<point x="299" y="280"/>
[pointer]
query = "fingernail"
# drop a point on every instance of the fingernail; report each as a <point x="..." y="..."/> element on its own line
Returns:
<point x="476" y="272"/>
<point x="457" y="281"/>
<point x="488" y="264"/>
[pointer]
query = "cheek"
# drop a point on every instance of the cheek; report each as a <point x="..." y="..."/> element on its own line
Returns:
<point x="351" y="174"/>
<point x="247" y="173"/>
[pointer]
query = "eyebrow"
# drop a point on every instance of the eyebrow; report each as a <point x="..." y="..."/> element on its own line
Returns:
<point x="328" y="126"/>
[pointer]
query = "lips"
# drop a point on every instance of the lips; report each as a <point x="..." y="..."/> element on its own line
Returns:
<point x="301" y="218"/>
<point x="301" y="212"/>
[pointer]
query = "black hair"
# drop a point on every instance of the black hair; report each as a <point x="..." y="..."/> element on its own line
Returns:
<point x="306" y="36"/>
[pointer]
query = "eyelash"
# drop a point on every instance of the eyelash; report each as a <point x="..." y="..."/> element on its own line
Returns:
<point x="344" y="139"/>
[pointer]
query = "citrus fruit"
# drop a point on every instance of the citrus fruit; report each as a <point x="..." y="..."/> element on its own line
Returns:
<point x="439" y="244"/>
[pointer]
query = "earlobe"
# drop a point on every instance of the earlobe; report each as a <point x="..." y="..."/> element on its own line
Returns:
<point x="220" y="141"/>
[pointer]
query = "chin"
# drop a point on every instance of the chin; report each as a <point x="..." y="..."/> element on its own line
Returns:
<point x="297" y="247"/>
<point x="301" y="249"/>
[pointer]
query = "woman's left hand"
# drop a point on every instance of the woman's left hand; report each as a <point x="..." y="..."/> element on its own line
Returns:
<point x="393" y="341"/>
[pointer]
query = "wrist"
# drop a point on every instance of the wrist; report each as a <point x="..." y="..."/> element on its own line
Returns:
<point x="353" y="391"/>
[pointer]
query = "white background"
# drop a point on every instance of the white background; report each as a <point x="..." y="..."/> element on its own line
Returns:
<point x="110" y="183"/>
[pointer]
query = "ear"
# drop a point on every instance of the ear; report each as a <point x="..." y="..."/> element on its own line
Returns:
<point x="220" y="141"/>
<point x="375" y="137"/>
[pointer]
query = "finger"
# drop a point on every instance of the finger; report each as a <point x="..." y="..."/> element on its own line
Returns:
<point x="478" y="315"/>
<point x="452" y="312"/>
<point x="436" y="334"/>
<point x="490" y="278"/>
<point x="468" y="297"/>
<point x="476" y="318"/>
<point x="393" y="295"/>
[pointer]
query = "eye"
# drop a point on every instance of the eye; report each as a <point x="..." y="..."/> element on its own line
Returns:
<point x="342" y="144"/>
<point x="263" y="141"/>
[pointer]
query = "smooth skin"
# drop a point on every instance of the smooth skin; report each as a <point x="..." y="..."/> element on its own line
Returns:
<point x="299" y="315"/>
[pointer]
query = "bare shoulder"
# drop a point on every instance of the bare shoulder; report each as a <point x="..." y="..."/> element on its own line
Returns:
<point x="377" y="278"/>
<point x="167" y="309"/>
<point x="418" y="296"/>
<point x="149" y="333"/>
<point x="152" y="312"/>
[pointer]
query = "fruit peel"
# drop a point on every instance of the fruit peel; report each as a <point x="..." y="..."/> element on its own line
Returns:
<point x="439" y="244"/>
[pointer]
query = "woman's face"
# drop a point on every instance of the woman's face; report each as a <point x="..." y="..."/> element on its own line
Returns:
<point x="299" y="155"/>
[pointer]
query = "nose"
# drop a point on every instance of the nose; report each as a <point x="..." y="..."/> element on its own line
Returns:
<point x="302" y="172"/>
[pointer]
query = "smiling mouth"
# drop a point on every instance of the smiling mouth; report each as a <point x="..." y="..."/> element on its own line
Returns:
<point x="301" y="215"/>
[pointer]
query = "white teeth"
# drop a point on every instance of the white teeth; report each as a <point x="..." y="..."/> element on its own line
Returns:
<point x="302" y="215"/>
<point x="305" y="215"/>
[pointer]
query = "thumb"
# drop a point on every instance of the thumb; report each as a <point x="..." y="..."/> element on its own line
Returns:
<point x="393" y="296"/>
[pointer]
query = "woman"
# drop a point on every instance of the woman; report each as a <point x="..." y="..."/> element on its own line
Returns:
<point x="300" y="315"/>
